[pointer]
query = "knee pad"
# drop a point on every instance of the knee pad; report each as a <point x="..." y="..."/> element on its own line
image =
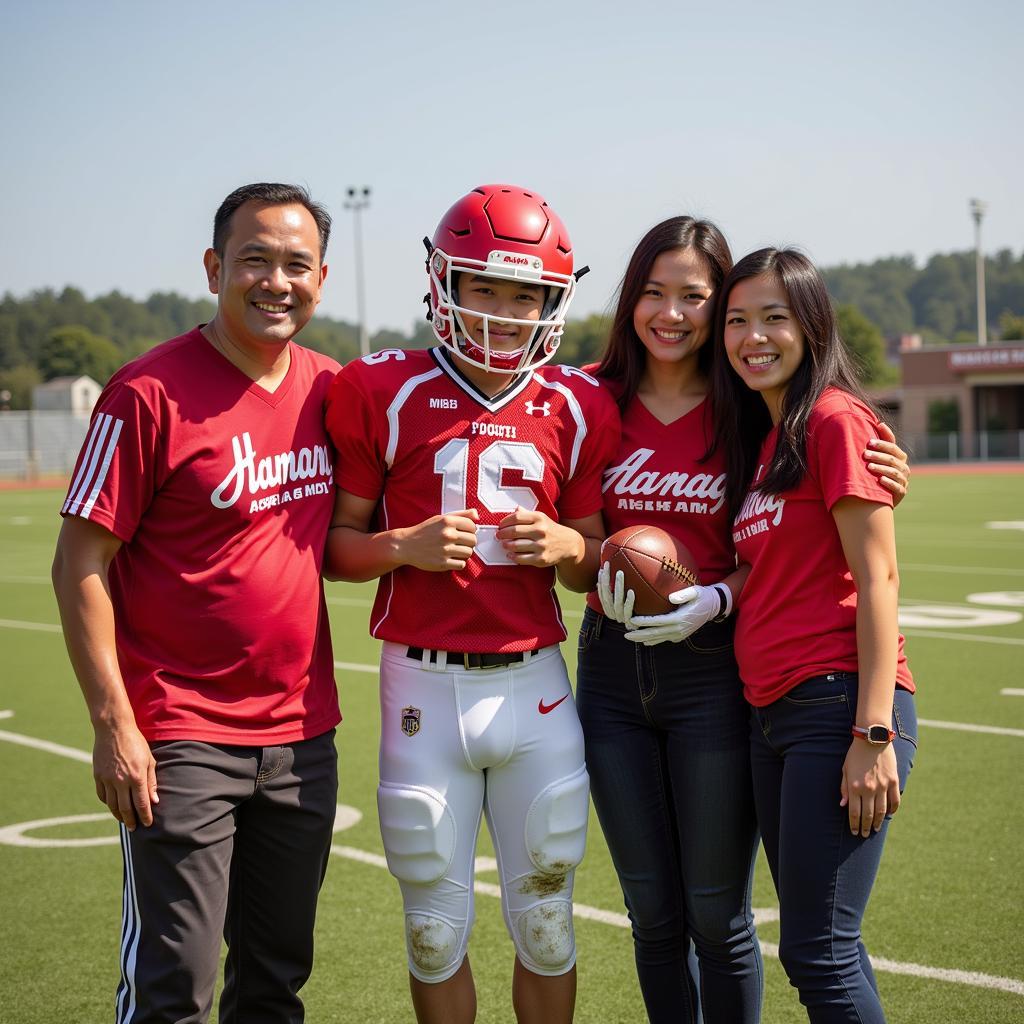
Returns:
<point x="436" y="948"/>
<point x="556" y="831"/>
<point x="418" y="831"/>
<point x="556" y="836"/>
<point x="545" y="940"/>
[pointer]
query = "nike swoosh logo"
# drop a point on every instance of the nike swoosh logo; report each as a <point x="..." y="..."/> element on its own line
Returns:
<point x="545" y="708"/>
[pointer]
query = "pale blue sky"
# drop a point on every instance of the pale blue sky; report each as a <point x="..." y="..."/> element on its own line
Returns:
<point x="856" y="132"/>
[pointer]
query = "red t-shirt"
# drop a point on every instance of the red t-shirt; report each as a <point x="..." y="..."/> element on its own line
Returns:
<point x="222" y="494"/>
<point x="798" y="608"/>
<point x="414" y="434"/>
<point x="657" y="479"/>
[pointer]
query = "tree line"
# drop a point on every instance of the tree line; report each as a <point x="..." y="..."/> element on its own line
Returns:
<point x="49" y="334"/>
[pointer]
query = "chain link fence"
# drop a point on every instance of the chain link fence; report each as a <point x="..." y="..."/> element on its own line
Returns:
<point x="37" y="444"/>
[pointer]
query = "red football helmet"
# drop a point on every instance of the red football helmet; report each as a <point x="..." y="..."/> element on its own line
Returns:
<point x="500" y="231"/>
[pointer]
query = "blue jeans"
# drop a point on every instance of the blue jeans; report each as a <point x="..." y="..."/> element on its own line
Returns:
<point x="667" y="739"/>
<point x="823" y="874"/>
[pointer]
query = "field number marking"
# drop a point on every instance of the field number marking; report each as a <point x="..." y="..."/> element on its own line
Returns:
<point x="1003" y="598"/>
<point x="16" y="835"/>
<point x="926" y="616"/>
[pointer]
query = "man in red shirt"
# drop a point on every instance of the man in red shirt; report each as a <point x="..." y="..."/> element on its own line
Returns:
<point x="188" y="578"/>
<point x="469" y="475"/>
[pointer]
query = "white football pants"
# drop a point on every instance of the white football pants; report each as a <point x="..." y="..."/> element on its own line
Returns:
<point x="457" y="743"/>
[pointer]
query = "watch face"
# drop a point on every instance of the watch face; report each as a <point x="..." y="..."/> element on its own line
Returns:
<point x="878" y="734"/>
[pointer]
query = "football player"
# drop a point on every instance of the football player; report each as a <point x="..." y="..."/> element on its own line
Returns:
<point x="469" y="475"/>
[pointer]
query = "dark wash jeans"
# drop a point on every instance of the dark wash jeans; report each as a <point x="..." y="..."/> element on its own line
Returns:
<point x="668" y="751"/>
<point x="823" y="874"/>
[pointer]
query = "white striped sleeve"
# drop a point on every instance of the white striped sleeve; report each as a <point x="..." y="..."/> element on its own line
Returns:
<point x="97" y="453"/>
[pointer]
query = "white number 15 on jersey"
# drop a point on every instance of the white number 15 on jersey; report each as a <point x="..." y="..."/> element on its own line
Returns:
<point x="451" y="462"/>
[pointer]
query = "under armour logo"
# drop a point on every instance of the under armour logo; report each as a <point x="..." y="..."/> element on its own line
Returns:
<point x="538" y="410"/>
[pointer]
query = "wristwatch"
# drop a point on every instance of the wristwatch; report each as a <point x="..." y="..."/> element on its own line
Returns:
<point x="876" y="735"/>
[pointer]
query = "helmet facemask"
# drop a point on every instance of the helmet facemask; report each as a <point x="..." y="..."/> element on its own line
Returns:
<point x="448" y="313"/>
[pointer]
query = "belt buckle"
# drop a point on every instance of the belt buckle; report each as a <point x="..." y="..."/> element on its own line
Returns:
<point x="466" y="661"/>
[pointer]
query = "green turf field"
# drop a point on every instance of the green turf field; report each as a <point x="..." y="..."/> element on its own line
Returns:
<point x="942" y="926"/>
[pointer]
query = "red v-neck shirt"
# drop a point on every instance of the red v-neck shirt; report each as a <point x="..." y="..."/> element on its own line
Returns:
<point x="222" y="493"/>
<point x="657" y="479"/>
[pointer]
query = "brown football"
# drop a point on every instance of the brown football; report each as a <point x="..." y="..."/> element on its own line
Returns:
<point x="654" y="565"/>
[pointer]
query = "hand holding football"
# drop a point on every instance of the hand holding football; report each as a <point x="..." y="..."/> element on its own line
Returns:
<point x="654" y="565"/>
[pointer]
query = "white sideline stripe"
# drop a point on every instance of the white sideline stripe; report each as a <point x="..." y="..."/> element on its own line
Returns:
<point x="581" y="910"/>
<point x="940" y="634"/>
<point x="992" y="730"/>
<point x="1007" y="692"/>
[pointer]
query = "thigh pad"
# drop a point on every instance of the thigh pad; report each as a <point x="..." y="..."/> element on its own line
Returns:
<point x="556" y="824"/>
<point x="418" y="830"/>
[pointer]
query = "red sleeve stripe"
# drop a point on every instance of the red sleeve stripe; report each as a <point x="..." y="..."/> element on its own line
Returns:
<point x="92" y="472"/>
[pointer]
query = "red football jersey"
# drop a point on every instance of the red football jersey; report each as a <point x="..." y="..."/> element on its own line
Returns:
<point x="657" y="479"/>
<point x="414" y="434"/>
<point x="222" y="494"/>
<point x="798" y="608"/>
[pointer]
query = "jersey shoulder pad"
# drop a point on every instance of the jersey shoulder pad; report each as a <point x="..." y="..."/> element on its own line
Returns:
<point x="571" y="376"/>
<point x="388" y="368"/>
<point x="590" y="392"/>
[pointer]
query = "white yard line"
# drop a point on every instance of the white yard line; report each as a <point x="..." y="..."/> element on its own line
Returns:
<point x="966" y="570"/>
<point x="40" y="627"/>
<point x="1009" y="691"/>
<point x="941" y="634"/>
<point x="50" y="748"/>
<point x="761" y="914"/>
<point x="992" y="730"/>
<point x="352" y="666"/>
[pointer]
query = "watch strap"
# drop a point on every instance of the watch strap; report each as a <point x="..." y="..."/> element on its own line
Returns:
<point x="877" y="735"/>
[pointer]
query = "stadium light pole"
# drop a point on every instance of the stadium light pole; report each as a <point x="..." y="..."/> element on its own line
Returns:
<point x="358" y="199"/>
<point x="978" y="209"/>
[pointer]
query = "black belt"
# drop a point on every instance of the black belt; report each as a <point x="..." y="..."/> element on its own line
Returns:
<point x="470" y="659"/>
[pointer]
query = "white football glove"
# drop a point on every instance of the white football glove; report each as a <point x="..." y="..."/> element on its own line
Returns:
<point x="697" y="607"/>
<point x="618" y="603"/>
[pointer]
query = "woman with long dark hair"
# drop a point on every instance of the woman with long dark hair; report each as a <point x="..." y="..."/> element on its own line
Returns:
<point x="817" y="641"/>
<point x="665" y="725"/>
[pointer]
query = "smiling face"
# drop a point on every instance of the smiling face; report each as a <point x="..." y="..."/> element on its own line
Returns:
<point x="673" y="315"/>
<point x="763" y="340"/>
<point x="268" y="280"/>
<point x="501" y="301"/>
